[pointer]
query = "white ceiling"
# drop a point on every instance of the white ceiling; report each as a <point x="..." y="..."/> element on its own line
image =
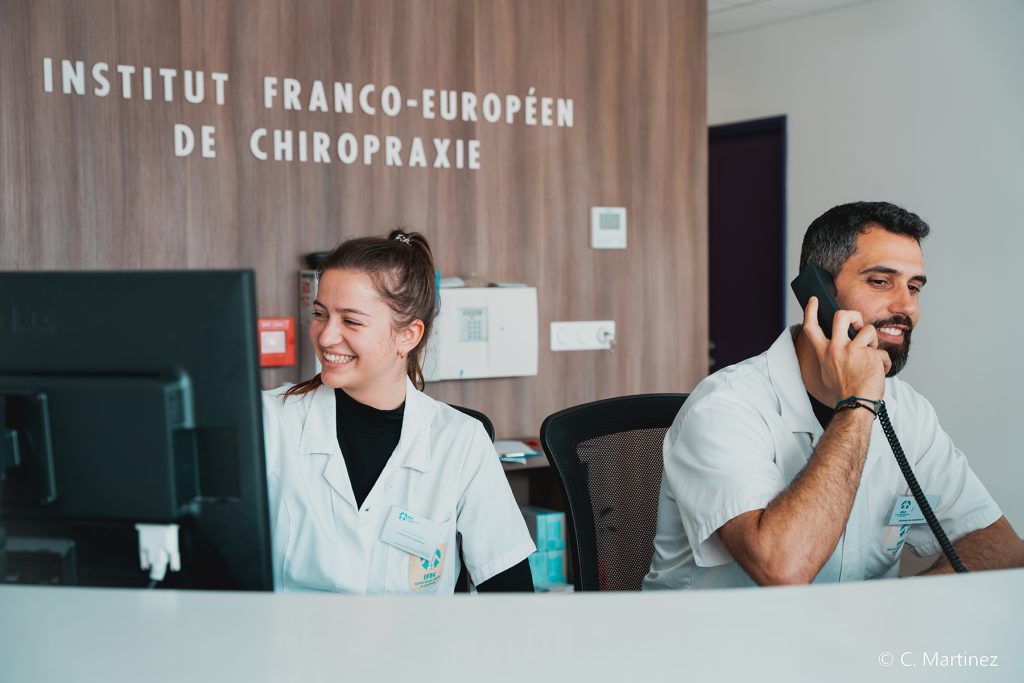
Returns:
<point x="732" y="16"/>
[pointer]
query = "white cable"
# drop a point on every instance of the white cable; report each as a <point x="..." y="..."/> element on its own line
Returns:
<point x="158" y="549"/>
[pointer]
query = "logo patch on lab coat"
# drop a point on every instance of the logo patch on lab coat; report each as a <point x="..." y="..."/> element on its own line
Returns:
<point x="424" y="573"/>
<point x="894" y="538"/>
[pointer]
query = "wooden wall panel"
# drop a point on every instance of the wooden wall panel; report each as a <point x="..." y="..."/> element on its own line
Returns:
<point x="92" y="182"/>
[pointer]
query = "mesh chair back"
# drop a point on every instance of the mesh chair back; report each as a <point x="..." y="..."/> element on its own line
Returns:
<point x="608" y="455"/>
<point x="488" y="426"/>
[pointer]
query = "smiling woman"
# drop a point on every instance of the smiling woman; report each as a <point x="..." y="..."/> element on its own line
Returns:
<point x="373" y="292"/>
<point x="372" y="483"/>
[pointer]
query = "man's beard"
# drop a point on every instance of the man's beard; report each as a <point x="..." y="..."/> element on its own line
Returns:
<point x="898" y="353"/>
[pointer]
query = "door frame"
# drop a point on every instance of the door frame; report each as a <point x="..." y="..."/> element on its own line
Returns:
<point x="724" y="131"/>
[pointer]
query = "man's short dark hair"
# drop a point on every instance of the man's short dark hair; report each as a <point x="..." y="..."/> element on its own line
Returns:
<point x="832" y="238"/>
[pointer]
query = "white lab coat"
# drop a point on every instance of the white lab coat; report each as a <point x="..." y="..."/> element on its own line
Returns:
<point x="444" y="469"/>
<point x="744" y="435"/>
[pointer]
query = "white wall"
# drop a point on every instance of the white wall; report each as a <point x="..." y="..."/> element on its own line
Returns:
<point x="921" y="103"/>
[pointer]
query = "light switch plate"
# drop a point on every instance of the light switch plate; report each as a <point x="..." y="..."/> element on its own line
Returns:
<point x="582" y="335"/>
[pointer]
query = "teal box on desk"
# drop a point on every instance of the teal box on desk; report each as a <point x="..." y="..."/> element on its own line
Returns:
<point x="547" y="527"/>
<point x="548" y="567"/>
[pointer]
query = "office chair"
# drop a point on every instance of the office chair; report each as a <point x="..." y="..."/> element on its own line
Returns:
<point x="608" y="455"/>
<point x="488" y="426"/>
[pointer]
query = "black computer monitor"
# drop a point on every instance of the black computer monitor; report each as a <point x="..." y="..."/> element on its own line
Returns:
<point x="125" y="398"/>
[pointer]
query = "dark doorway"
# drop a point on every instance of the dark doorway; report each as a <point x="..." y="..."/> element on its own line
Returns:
<point x="747" y="237"/>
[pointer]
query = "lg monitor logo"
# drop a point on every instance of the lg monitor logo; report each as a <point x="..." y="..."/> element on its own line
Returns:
<point x="20" y="320"/>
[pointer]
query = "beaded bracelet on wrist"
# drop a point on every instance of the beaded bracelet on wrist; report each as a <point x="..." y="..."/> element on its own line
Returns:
<point x="852" y="402"/>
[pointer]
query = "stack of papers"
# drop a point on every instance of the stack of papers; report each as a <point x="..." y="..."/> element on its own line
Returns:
<point x="516" y="451"/>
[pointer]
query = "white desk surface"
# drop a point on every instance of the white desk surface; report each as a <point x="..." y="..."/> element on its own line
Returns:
<point x="808" y="633"/>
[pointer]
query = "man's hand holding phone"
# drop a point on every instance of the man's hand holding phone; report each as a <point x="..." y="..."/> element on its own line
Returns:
<point x="849" y="367"/>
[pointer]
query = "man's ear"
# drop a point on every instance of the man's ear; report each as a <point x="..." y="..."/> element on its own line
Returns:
<point x="410" y="335"/>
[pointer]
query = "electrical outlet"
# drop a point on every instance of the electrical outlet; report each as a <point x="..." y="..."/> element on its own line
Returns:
<point x="582" y="335"/>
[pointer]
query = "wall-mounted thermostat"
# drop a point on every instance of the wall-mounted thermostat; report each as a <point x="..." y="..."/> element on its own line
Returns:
<point x="608" y="227"/>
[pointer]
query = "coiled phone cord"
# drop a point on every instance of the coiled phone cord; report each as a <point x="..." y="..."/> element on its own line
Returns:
<point x="915" y="489"/>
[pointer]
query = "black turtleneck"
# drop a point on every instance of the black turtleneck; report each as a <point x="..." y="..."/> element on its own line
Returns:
<point x="367" y="437"/>
<point x="823" y="412"/>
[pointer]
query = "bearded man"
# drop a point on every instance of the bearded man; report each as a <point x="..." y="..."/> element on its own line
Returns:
<point x="776" y="470"/>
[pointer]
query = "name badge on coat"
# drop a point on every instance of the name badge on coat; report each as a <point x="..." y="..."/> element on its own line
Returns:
<point x="413" y="533"/>
<point x="906" y="510"/>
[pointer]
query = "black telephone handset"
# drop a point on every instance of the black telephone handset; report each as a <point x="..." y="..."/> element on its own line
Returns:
<point x="815" y="281"/>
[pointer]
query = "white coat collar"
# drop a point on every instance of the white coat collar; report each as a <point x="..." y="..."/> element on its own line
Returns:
<point x="320" y="435"/>
<point x="784" y="373"/>
<point x="320" y="430"/>
<point x="414" y="445"/>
